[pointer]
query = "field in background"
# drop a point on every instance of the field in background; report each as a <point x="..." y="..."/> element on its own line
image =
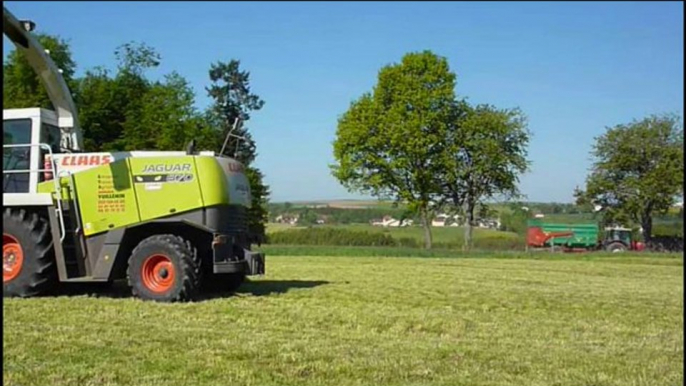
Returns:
<point x="439" y="234"/>
<point x="345" y="204"/>
<point x="383" y="321"/>
<point x="411" y="236"/>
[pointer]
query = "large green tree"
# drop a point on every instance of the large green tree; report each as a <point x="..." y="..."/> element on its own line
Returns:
<point x="21" y="86"/>
<point x="638" y="171"/>
<point x="233" y="98"/>
<point x="485" y="151"/>
<point x="111" y="105"/>
<point x="389" y="142"/>
<point x="167" y="118"/>
<point x="128" y="111"/>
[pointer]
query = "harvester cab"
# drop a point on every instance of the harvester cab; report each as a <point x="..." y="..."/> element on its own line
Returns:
<point x="170" y="222"/>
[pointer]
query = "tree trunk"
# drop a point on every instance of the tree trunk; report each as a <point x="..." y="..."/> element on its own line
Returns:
<point x="468" y="228"/>
<point x="647" y="225"/>
<point x="426" y="223"/>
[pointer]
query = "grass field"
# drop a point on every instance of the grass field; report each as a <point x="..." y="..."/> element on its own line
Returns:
<point x="589" y="320"/>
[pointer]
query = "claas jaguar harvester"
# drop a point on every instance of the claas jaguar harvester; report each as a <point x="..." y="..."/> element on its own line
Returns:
<point x="168" y="222"/>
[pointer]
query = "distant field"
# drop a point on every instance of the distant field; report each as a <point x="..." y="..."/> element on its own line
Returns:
<point x="278" y="227"/>
<point x="346" y="204"/>
<point x="371" y="321"/>
<point x="452" y="237"/>
<point x="439" y="234"/>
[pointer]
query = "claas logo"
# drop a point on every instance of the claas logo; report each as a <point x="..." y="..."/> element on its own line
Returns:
<point x="76" y="160"/>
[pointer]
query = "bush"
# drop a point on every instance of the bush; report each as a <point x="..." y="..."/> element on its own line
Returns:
<point x="666" y="244"/>
<point x="668" y="229"/>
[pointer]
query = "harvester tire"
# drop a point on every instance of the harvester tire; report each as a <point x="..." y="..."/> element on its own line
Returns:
<point x="28" y="254"/>
<point x="164" y="268"/>
<point x="616" y="247"/>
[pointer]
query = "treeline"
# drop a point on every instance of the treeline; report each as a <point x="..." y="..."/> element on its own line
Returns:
<point x="513" y="216"/>
<point x="124" y="109"/>
<point x="334" y="215"/>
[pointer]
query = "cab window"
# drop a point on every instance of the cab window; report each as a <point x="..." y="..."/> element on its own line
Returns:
<point x="49" y="135"/>
<point x="16" y="132"/>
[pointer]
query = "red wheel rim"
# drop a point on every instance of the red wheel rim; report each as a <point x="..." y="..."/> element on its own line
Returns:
<point x="12" y="257"/>
<point x="158" y="273"/>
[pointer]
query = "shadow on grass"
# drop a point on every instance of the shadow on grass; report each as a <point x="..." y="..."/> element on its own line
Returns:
<point x="270" y="287"/>
<point x="120" y="289"/>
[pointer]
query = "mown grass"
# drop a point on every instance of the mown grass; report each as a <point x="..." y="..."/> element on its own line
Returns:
<point x="356" y="251"/>
<point x="366" y="320"/>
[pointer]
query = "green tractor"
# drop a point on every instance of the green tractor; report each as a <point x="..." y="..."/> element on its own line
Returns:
<point x="618" y="239"/>
<point x="169" y="222"/>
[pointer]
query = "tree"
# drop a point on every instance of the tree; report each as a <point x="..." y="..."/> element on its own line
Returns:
<point x="21" y="86"/>
<point x="167" y="118"/>
<point x="101" y="112"/>
<point x="388" y="143"/>
<point x="486" y="151"/>
<point x="111" y="107"/>
<point x="230" y="89"/>
<point x="638" y="171"/>
<point x="132" y="88"/>
<point x="307" y="217"/>
<point x="515" y="219"/>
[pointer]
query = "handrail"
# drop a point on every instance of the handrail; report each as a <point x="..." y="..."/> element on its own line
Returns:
<point x="56" y="181"/>
<point x="72" y="188"/>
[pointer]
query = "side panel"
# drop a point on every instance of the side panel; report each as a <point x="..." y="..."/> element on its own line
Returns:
<point x="585" y="235"/>
<point x="239" y="186"/>
<point x="165" y="185"/>
<point x="106" y="197"/>
<point x="214" y="185"/>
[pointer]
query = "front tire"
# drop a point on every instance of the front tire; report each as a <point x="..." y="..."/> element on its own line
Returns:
<point x="27" y="254"/>
<point x="616" y="247"/>
<point x="164" y="268"/>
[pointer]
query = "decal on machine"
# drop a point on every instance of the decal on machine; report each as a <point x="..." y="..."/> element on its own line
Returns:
<point x="75" y="163"/>
<point x="108" y="199"/>
<point x="179" y="173"/>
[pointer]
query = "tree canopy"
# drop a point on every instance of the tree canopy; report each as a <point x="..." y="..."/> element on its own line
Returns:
<point x="21" y="85"/>
<point x="638" y="171"/>
<point x="411" y="140"/>
<point x="486" y="151"/>
<point x="389" y="142"/>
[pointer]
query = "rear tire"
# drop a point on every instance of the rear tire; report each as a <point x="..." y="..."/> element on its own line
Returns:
<point x="616" y="247"/>
<point x="164" y="268"/>
<point x="28" y="256"/>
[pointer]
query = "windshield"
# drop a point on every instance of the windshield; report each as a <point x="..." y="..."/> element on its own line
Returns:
<point x="16" y="132"/>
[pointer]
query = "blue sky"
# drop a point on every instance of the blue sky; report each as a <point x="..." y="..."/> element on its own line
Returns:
<point x="573" y="68"/>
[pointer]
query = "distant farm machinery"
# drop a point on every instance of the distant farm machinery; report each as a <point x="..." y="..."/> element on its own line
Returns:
<point x="579" y="237"/>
